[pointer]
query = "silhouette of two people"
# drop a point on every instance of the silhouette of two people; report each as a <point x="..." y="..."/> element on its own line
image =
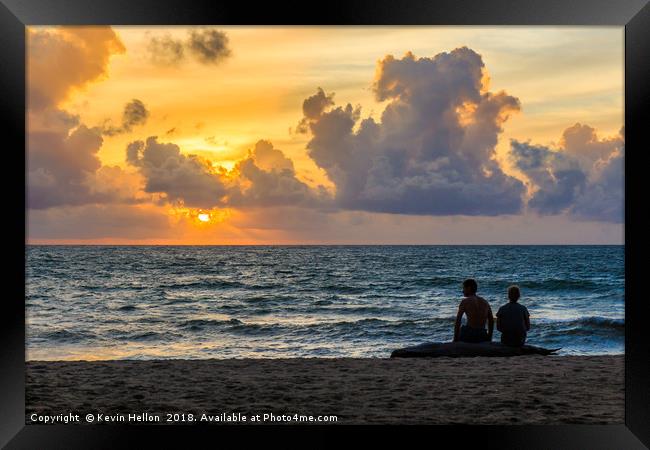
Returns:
<point x="513" y="319"/>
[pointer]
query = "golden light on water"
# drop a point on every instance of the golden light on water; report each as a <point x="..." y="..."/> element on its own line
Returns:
<point x="204" y="217"/>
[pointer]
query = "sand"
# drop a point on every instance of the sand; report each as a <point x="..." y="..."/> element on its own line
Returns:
<point x="517" y="390"/>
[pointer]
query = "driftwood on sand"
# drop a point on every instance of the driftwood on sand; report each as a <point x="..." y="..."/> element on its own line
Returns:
<point x="459" y="349"/>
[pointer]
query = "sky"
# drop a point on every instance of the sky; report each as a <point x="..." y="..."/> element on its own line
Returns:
<point x="325" y="135"/>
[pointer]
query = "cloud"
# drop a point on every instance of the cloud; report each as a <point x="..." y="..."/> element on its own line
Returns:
<point x="208" y="46"/>
<point x="186" y="178"/>
<point x="584" y="177"/>
<point x="135" y="113"/>
<point x="116" y="185"/>
<point x="313" y="107"/>
<point x="99" y="221"/>
<point x="433" y="150"/>
<point x="268" y="158"/>
<point x="582" y="142"/>
<point x="64" y="167"/>
<point x="604" y="196"/>
<point x="557" y="176"/>
<point x="165" y="50"/>
<point x="62" y="153"/>
<point x="59" y="159"/>
<point x="268" y="178"/>
<point x="65" y="59"/>
<point x="297" y="225"/>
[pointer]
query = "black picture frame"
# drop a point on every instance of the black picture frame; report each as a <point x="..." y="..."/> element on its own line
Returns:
<point x="15" y="15"/>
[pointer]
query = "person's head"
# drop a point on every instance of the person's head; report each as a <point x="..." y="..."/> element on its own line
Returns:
<point x="514" y="293"/>
<point x="469" y="287"/>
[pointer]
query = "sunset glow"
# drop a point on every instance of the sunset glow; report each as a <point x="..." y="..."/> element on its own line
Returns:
<point x="272" y="135"/>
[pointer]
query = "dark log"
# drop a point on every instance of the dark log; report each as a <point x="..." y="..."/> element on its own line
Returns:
<point x="465" y="349"/>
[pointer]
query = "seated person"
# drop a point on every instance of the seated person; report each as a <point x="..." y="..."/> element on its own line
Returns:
<point x="478" y="312"/>
<point x="513" y="320"/>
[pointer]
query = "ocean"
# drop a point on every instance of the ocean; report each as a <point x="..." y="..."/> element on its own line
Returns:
<point x="196" y="302"/>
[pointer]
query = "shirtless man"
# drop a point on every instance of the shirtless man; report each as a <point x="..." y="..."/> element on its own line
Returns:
<point x="478" y="312"/>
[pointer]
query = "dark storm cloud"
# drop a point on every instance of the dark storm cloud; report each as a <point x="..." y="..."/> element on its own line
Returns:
<point x="208" y="46"/>
<point x="584" y="177"/>
<point x="135" y="113"/>
<point x="433" y="150"/>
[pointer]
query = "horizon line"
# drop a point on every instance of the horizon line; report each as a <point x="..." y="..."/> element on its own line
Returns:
<point x="315" y="245"/>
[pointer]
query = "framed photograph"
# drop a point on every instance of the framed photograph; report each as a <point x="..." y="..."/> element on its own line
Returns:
<point x="285" y="218"/>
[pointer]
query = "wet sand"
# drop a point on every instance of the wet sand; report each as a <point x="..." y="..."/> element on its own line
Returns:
<point x="517" y="390"/>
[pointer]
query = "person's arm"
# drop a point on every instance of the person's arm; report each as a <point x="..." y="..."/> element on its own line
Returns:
<point x="459" y="317"/>
<point x="490" y="323"/>
<point x="498" y="322"/>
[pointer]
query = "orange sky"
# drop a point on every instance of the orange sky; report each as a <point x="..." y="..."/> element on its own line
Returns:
<point x="211" y="95"/>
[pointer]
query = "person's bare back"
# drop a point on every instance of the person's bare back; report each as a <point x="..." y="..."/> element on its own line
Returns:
<point x="478" y="313"/>
<point x="477" y="310"/>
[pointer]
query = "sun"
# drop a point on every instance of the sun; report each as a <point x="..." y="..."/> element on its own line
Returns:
<point x="202" y="218"/>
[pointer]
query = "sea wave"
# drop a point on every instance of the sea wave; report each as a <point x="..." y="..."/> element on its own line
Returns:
<point x="127" y="308"/>
<point x="203" y="284"/>
<point x="589" y="322"/>
<point x="340" y="328"/>
<point x="559" y="284"/>
<point x="200" y="324"/>
<point x="65" y="335"/>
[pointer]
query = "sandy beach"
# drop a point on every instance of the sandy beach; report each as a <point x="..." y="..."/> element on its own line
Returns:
<point x="518" y="390"/>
